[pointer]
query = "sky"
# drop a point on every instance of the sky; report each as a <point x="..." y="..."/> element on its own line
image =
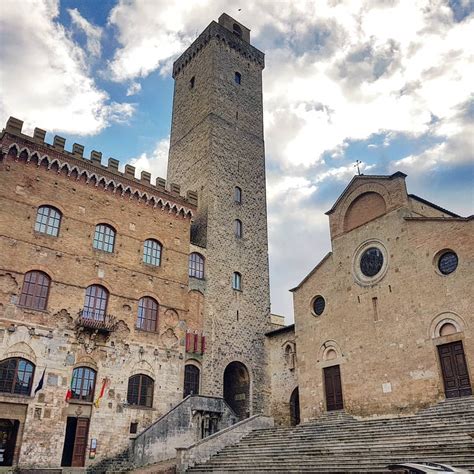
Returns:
<point x="386" y="82"/>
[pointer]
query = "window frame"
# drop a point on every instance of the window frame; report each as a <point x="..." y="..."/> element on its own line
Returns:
<point x="139" y="394"/>
<point x="188" y="383"/>
<point x="238" y="228"/>
<point x="14" y="378"/>
<point x="145" y="323"/>
<point x="238" y="194"/>
<point x="97" y="311"/>
<point x="36" y="295"/>
<point x="237" y="281"/>
<point x="50" y="220"/>
<point x="89" y="397"/>
<point x="196" y="266"/>
<point x="102" y="244"/>
<point x="151" y="256"/>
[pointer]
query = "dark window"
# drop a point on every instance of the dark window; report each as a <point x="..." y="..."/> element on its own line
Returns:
<point x="238" y="228"/>
<point x="192" y="82"/>
<point x="147" y="314"/>
<point x="448" y="262"/>
<point x="48" y="220"/>
<point x="238" y="77"/>
<point x="191" y="380"/>
<point x="16" y="376"/>
<point x="152" y="252"/>
<point x="237" y="195"/>
<point x="237" y="30"/>
<point x="237" y="281"/>
<point x="196" y="266"/>
<point x="35" y="290"/>
<point x="140" y="390"/>
<point x="95" y="303"/>
<point x="83" y="384"/>
<point x="318" y="305"/>
<point x="133" y="427"/>
<point x="104" y="238"/>
<point x="371" y="262"/>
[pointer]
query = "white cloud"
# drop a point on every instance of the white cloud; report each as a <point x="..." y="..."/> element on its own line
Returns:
<point x="44" y="77"/>
<point x="93" y="33"/>
<point x="156" y="162"/>
<point x="134" y="88"/>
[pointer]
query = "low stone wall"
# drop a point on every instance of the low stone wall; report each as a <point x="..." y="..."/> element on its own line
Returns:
<point x="201" y="451"/>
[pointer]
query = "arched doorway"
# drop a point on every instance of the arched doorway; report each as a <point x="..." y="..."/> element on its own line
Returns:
<point x="237" y="389"/>
<point x="295" y="407"/>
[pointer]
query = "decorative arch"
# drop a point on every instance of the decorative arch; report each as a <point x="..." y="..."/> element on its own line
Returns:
<point x="441" y="320"/>
<point x="86" y="361"/>
<point x="237" y="388"/>
<point x="327" y="350"/>
<point x="21" y="349"/>
<point x="143" y="367"/>
<point x="364" y="208"/>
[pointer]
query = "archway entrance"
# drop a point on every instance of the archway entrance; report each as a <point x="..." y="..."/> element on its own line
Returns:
<point x="295" y="407"/>
<point x="237" y="389"/>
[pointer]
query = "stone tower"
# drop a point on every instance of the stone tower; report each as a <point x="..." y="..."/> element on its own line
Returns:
<point x="217" y="149"/>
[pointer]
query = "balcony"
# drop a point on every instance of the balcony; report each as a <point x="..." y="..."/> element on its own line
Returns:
<point x="96" y="321"/>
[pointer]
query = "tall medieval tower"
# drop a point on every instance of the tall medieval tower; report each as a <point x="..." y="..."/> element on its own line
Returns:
<point x="217" y="149"/>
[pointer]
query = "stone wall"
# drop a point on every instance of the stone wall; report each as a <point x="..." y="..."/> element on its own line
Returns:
<point x="382" y="331"/>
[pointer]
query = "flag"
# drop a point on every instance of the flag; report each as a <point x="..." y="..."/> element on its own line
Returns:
<point x="40" y="383"/>
<point x="101" y="394"/>
<point x="69" y="390"/>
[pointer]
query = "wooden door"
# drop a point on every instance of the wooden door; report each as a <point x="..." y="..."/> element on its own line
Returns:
<point x="454" y="369"/>
<point x="80" y="442"/>
<point x="332" y="384"/>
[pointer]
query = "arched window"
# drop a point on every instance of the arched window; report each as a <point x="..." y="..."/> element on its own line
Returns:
<point x="95" y="303"/>
<point x="48" y="220"/>
<point x="237" y="194"/>
<point x="83" y="384"/>
<point x="238" y="77"/>
<point x="147" y="314"/>
<point x="196" y="265"/>
<point x="191" y="380"/>
<point x="238" y="228"/>
<point x="104" y="238"/>
<point x="16" y="376"/>
<point x="152" y="252"/>
<point x="140" y="390"/>
<point x="237" y="30"/>
<point x="237" y="281"/>
<point x="35" y="290"/>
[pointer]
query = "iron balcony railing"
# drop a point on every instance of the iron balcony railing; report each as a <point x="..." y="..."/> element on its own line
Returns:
<point x="96" y="320"/>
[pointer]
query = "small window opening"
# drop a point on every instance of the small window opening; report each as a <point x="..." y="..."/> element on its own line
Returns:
<point x="374" y="305"/>
<point x="237" y="194"/>
<point x="133" y="428"/>
<point x="192" y="82"/>
<point x="237" y="30"/>
<point x="238" y="78"/>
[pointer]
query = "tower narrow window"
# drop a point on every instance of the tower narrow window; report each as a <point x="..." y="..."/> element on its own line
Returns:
<point x="104" y="238"/>
<point x="238" y="228"/>
<point x="152" y="252"/>
<point x="192" y="81"/>
<point x="196" y="265"/>
<point x="238" y="77"/>
<point x="35" y="290"/>
<point x="237" y="281"/>
<point x="48" y="220"/>
<point x="147" y="314"/>
<point x="237" y="30"/>
<point x="238" y="195"/>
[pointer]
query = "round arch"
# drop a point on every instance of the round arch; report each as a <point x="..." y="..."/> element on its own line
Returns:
<point x="237" y="389"/>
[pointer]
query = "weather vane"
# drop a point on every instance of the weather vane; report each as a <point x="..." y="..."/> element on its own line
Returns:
<point x="356" y="165"/>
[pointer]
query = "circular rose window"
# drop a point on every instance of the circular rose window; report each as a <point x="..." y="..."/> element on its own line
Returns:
<point x="371" y="262"/>
<point x="448" y="262"/>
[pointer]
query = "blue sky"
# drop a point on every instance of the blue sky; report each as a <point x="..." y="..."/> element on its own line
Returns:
<point x="386" y="82"/>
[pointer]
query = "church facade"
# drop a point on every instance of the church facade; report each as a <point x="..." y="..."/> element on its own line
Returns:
<point x="384" y="323"/>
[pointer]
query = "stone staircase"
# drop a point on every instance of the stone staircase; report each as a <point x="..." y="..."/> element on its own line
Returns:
<point x="117" y="464"/>
<point x="337" y="442"/>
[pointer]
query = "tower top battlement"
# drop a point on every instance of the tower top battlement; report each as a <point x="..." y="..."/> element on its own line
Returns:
<point x="230" y="32"/>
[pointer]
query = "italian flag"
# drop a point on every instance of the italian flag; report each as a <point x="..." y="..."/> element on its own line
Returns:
<point x="69" y="391"/>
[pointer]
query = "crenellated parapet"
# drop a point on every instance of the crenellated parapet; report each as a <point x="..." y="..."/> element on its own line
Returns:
<point x="34" y="149"/>
<point x="218" y="32"/>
